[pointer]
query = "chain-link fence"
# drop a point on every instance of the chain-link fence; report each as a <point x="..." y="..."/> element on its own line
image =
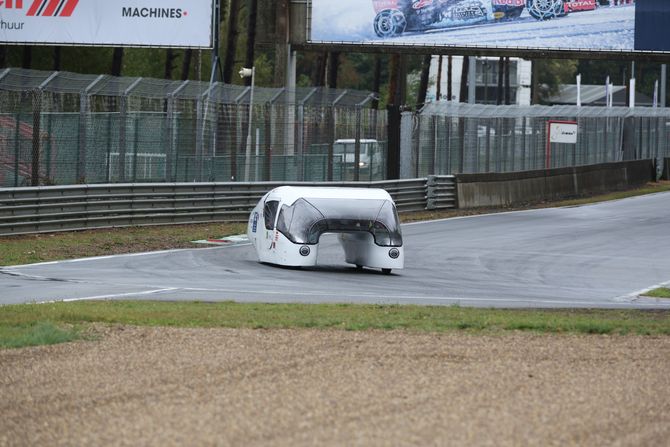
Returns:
<point x="66" y="128"/>
<point x="450" y="138"/>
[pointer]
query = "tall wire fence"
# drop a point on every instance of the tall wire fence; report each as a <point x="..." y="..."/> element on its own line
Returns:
<point x="60" y="128"/>
<point x="67" y="128"/>
<point x="451" y="138"/>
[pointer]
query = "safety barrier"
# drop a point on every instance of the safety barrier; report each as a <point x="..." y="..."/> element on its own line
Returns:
<point x="77" y="207"/>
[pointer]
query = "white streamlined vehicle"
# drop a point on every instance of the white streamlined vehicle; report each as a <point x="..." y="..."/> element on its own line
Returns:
<point x="286" y="224"/>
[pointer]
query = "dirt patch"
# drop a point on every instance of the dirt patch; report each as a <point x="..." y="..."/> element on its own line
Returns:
<point x="160" y="386"/>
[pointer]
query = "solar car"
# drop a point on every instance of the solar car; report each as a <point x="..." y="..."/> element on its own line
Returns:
<point x="286" y="226"/>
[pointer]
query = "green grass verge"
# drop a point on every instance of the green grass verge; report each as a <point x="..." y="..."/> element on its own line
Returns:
<point x="328" y="316"/>
<point x="662" y="292"/>
<point x="34" y="333"/>
<point x="78" y="244"/>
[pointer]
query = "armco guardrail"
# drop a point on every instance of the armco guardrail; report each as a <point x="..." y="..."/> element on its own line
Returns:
<point x="77" y="207"/>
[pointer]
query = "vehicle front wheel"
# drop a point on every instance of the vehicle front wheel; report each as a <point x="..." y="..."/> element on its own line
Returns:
<point x="389" y="23"/>
<point x="545" y="9"/>
<point x="386" y="271"/>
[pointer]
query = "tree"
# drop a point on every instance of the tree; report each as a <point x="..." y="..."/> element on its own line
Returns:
<point x="231" y="41"/>
<point x="251" y="36"/>
<point x="551" y="73"/>
<point x="117" y="61"/>
<point x="423" y="86"/>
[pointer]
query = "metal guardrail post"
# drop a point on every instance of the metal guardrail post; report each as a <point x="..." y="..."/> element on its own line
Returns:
<point x="431" y="186"/>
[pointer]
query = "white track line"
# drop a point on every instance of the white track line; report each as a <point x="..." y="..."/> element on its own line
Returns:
<point x="117" y="295"/>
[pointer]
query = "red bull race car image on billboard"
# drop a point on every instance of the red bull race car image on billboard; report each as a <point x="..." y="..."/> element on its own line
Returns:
<point x="542" y="24"/>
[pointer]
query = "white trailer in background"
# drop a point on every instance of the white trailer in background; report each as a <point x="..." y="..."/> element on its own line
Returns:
<point x="287" y="223"/>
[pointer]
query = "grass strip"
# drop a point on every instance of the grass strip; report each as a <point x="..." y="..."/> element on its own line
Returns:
<point x="329" y="316"/>
<point x="35" y="333"/>
<point x="28" y="249"/>
<point x="662" y="292"/>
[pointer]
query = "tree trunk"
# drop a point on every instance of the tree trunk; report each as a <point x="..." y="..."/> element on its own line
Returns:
<point x="377" y="80"/>
<point x="170" y="57"/>
<point x="423" y="85"/>
<point x="319" y="70"/>
<point x="231" y="41"/>
<point x="393" y="80"/>
<point x="463" y="97"/>
<point x="117" y="61"/>
<point x="534" y="82"/>
<point x="450" y="72"/>
<point x="333" y="66"/>
<point x="438" y="82"/>
<point x="186" y="64"/>
<point x="27" y="60"/>
<point x="57" y="58"/>
<point x="501" y="73"/>
<point x="508" y="90"/>
<point x="251" y="36"/>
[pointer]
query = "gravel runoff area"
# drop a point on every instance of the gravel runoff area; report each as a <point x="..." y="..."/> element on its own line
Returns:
<point x="169" y="386"/>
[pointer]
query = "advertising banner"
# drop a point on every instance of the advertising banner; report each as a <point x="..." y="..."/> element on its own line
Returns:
<point x="594" y="25"/>
<point x="563" y="132"/>
<point x="166" y="23"/>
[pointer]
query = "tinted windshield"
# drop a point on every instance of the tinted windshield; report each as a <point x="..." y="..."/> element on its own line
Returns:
<point x="305" y="221"/>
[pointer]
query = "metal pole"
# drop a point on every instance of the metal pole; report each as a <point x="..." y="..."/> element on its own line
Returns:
<point x="664" y="80"/>
<point x="247" y="160"/>
<point x="472" y="80"/>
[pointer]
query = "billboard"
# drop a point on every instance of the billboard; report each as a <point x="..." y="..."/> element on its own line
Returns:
<point x="593" y="25"/>
<point x="166" y="23"/>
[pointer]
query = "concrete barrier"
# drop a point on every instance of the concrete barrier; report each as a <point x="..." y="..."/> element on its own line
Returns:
<point x="516" y="188"/>
<point x="665" y="174"/>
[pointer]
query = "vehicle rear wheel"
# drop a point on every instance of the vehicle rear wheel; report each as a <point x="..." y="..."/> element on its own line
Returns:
<point x="389" y="23"/>
<point x="545" y="9"/>
<point x="386" y="271"/>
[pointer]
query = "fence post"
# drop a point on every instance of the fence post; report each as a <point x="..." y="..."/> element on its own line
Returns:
<point x="84" y="116"/>
<point x="17" y="147"/>
<point x="37" y="113"/>
<point x="123" y="115"/>
<point x="357" y="146"/>
<point x="121" y="162"/>
<point x="171" y="148"/>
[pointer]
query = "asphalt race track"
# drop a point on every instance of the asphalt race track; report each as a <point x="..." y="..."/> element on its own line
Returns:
<point x="600" y="255"/>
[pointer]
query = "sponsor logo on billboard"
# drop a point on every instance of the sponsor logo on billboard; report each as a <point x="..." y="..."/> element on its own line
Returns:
<point x="11" y="4"/>
<point x="508" y="2"/>
<point x="52" y="8"/>
<point x="580" y="5"/>
<point x="154" y="13"/>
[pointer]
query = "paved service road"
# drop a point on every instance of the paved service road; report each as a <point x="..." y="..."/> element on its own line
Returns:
<point x="600" y="255"/>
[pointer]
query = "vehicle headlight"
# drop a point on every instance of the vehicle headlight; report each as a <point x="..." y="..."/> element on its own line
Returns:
<point x="362" y="164"/>
<point x="304" y="250"/>
<point x="394" y="253"/>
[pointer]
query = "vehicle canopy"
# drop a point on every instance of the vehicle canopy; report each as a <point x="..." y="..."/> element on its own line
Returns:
<point x="305" y="213"/>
